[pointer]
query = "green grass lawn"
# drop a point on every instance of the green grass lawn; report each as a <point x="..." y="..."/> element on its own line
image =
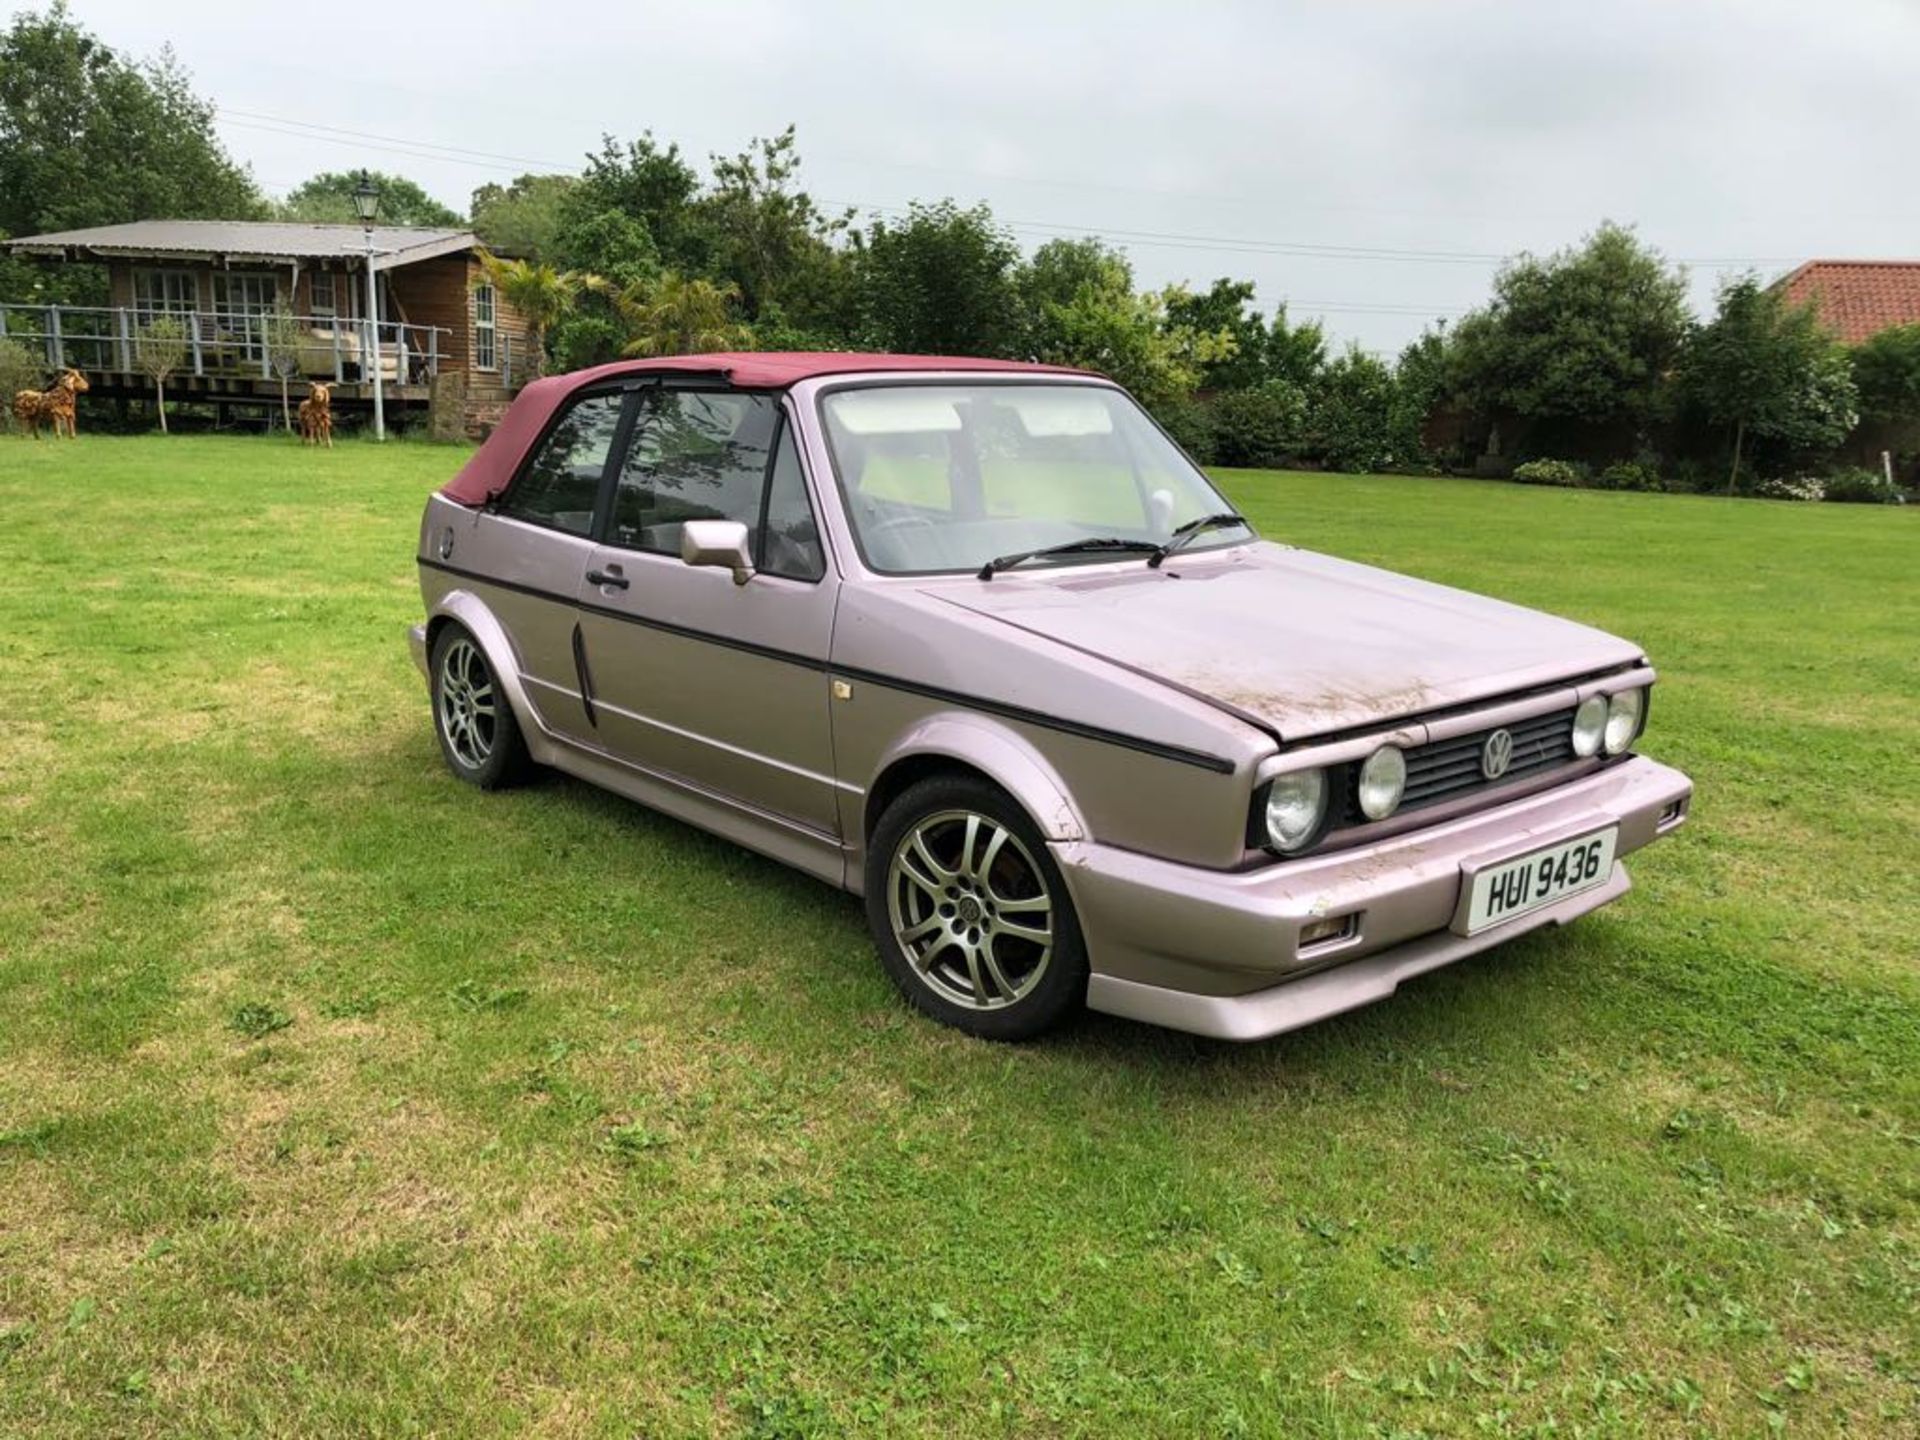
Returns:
<point x="337" y="1098"/>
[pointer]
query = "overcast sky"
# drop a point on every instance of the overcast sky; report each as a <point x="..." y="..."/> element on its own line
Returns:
<point x="1359" y="161"/>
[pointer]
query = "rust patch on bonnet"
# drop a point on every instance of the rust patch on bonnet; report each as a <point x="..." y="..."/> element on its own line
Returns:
<point x="1326" y="703"/>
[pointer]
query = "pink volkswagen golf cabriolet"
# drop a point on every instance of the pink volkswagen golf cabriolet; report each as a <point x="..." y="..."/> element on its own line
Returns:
<point x="977" y="642"/>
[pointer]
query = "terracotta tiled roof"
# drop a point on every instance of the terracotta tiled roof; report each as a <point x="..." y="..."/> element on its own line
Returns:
<point x="1858" y="298"/>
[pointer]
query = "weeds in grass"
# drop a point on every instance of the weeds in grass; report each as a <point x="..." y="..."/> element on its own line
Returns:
<point x="256" y="1021"/>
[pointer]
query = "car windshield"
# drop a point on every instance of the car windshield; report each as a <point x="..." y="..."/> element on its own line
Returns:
<point x="949" y="477"/>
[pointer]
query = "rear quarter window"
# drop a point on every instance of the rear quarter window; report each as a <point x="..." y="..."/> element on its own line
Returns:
<point x="559" y="485"/>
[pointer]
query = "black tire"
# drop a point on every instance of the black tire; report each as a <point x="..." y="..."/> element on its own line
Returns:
<point x="1025" y="988"/>
<point x="481" y="747"/>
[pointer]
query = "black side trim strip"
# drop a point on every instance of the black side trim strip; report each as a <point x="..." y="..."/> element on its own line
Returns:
<point x="1218" y="765"/>
<point x="586" y="677"/>
<point x="1199" y="758"/>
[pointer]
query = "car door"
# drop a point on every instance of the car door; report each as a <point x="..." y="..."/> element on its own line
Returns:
<point x="527" y="552"/>
<point x="719" y="684"/>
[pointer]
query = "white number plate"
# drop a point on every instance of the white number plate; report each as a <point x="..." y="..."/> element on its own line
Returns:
<point x="1516" y="887"/>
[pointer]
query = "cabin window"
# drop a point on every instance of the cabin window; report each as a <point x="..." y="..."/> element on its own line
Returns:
<point x="486" y="355"/>
<point x="322" y="302"/>
<point x="240" y="301"/>
<point x="165" y="292"/>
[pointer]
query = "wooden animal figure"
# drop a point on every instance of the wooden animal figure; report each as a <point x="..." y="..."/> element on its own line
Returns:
<point x="54" y="407"/>
<point x="316" y="416"/>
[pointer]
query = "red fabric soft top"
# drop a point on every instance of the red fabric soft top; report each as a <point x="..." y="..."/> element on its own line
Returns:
<point x="492" y="466"/>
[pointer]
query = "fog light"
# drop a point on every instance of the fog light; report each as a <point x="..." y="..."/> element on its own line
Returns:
<point x="1319" y="932"/>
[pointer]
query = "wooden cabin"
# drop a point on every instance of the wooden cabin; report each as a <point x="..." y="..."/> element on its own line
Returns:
<point x="443" y="330"/>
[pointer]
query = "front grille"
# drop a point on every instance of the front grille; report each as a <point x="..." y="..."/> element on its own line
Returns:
<point x="1448" y="769"/>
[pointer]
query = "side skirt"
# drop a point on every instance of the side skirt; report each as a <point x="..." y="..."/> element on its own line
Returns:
<point x="811" y="851"/>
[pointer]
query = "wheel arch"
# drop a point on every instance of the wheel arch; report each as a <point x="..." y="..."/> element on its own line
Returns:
<point x="470" y="613"/>
<point x="982" y="747"/>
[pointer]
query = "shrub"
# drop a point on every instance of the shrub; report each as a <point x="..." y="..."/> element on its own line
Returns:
<point x="19" y="370"/>
<point x="1548" y="472"/>
<point x="1193" y="426"/>
<point x="1856" y="486"/>
<point x="1350" y="417"/>
<point x="1262" y="427"/>
<point x="1789" y="487"/>
<point x="1629" y="475"/>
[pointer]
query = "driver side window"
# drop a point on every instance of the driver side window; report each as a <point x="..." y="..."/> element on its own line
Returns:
<point x="694" y="455"/>
<point x="716" y="455"/>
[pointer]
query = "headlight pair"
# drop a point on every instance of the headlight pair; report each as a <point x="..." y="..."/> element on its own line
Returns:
<point x="1296" y="808"/>
<point x="1608" y="722"/>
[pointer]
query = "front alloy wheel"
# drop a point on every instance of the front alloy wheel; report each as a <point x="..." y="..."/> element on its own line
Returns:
<point x="970" y="913"/>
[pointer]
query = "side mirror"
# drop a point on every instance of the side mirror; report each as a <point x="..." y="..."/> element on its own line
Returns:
<point x="718" y="542"/>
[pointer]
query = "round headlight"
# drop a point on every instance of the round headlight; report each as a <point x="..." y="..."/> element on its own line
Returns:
<point x="1383" y="780"/>
<point x="1589" y="725"/>
<point x="1623" y="719"/>
<point x="1295" y="804"/>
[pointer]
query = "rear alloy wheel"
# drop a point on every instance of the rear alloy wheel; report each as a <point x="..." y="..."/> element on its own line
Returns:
<point x="478" y="735"/>
<point x="969" y="911"/>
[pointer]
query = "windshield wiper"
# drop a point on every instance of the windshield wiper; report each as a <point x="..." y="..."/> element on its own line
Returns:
<point x="1191" y="530"/>
<point x="1093" y="545"/>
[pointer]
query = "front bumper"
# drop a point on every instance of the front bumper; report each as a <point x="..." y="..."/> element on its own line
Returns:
<point x="1219" y="953"/>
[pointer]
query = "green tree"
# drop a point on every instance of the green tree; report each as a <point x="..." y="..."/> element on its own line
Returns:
<point x="1589" y="334"/>
<point x="1767" y="371"/>
<point x="1420" y="386"/>
<point x="618" y="248"/>
<point x="609" y="243"/>
<point x="1077" y="306"/>
<point x="327" y="198"/>
<point x="1131" y="339"/>
<point x="89" y="137"/>
<point x="159" y="349"/>
<point x="651" y="186"/>
<point x="941" y="281"/>
<point x="676" y="314"/>
<point x="1886" y="370"/>
<point x="769" y="237"/>
<point x="1352" y="413"/>
<point x="1056" y="275"/>
<point x="522" y="218"/>
<point x="1226" y="308"/>
<point x="1294" y="353"/>
<point x="20" y="369"/>
<point x="543" y="295"/>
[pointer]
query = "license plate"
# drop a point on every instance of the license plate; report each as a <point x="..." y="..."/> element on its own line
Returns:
<point x="1512" y="888"/>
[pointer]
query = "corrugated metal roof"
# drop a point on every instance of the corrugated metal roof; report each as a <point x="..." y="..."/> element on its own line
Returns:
<point x="396" y="244"/>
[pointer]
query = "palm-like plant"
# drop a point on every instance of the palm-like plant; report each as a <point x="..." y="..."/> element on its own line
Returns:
<point x="675" y="314"/>
<point x="543" y="295"/>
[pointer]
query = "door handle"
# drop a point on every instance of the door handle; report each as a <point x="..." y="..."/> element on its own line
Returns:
<point x="610" y="577"/>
